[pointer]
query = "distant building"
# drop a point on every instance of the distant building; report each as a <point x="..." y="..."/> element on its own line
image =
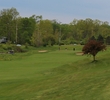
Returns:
<point x="3" y="40"/>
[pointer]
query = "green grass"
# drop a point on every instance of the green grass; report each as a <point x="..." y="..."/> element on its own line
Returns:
<point x="54" y="75"/>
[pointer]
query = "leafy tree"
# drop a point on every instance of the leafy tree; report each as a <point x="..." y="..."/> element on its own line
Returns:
<point x="49" y="40"/>
<point x="7" y="23"/>
<point x="26" y="29"/>
<point x="43" y="34"/>
<point x="56" y="30"/>
<point x="46" y="30"/>
<point x="93" y="47"/>
<point x="36" y="39"/>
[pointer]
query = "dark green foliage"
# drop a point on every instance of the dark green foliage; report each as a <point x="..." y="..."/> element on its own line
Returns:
<point x="26" y="45"/>
<point x="18" y="49"/>
<point x="108" y="40"/>
<point x="27" y="27"/>
<point x="8" y="47"/>
<point x="49" y="41"/>
<point x="100" y="38"/>
<point x="92" y="38"/>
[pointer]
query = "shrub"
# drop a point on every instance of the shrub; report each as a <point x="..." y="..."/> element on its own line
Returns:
<point x="93" y="47"/>
<point x="17" y="49"/>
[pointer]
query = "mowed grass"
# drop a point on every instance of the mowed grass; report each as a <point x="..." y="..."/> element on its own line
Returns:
<point x="55" y="75"/>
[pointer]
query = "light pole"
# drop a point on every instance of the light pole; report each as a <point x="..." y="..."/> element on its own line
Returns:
<point x="16" y="33"/>
<point x="60" y="36"/>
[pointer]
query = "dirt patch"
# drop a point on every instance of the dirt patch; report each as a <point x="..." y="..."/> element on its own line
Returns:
<point x="42" y="51"/>
<point x="2" y="52"/>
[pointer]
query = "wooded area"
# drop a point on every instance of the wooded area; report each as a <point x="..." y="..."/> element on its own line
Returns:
<point x="37" y="32"/>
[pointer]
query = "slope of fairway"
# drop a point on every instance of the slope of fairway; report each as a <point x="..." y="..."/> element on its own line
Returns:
<point x="55" y="75"/>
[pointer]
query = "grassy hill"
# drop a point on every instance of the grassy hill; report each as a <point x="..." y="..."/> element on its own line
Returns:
<point x="54" y="75"/>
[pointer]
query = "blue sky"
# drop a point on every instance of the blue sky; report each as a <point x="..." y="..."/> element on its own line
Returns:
<point x="64" y="11"/>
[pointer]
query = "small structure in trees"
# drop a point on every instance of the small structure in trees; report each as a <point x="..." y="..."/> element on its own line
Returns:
<point x="93" y="47"/>
<point x="3" y="40"/>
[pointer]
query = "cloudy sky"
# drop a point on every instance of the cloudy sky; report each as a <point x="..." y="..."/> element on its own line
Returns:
<point x="62" y="10"/>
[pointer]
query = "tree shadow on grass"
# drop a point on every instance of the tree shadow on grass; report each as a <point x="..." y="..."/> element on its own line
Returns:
<point x="94" y="61"/>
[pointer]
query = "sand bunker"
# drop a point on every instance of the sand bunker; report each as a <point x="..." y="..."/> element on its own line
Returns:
<point x="42" y="51"/>
<point x="79" y="53"/>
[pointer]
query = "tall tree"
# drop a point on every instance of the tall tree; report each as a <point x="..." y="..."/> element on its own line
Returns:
<point x="26" y="29"/>
<point x="7" y="23"/>
<point x="36" y="39"/>
<point x="46" y="29"/>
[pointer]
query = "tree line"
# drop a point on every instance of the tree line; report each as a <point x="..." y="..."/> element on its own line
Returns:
<point x="36" y="31"/>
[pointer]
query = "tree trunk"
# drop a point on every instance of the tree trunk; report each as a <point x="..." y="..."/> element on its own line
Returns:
<point x="93" y="58"/>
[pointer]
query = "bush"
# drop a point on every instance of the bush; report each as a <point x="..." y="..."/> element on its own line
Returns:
<point x="26" y="45"/>
<point x="6" y="47"/>
<point x="18" y="49"/>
